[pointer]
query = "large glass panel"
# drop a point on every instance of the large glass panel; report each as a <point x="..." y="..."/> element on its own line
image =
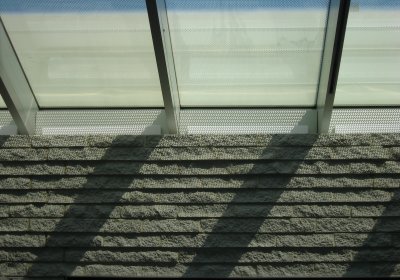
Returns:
<point x="91" y="53"/>
<point x="370" y="67"/>
<point x="247" y="53"/>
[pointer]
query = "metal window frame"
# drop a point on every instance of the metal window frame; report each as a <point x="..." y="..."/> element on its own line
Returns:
<point x="157" y="13"/>
<point x="15" y="88"/>
<point x="18" y="96"/>
<point x="332" y="55"/>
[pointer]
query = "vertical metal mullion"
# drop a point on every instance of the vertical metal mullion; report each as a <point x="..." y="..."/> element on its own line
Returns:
<point x="158" y="20"/>
<point x="15" y="88"/>
<point x="332" y="54"/>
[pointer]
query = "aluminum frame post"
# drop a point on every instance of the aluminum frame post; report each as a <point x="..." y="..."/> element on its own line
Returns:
<point x="158" y="20"/>
<point x="15" y="88"/>
<point x="332" y="54"/>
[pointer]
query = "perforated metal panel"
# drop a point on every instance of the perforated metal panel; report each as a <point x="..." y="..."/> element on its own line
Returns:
<point x="7" y="125"/>
<point x="365" y="120"/>
<point x="249" y="121"/>
<point x="100" y="122"/>
<point x="212" y="121"/>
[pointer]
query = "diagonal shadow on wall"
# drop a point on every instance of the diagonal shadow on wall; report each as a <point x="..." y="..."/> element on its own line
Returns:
<point x="214" y="259"/>
<point x="97" y="215"/>
<point x="379" y="246"/>
<point x="90" y="239"/>
<point x="228" y="251"/>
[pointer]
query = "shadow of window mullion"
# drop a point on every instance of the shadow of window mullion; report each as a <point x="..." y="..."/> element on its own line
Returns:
<point x="65" y="231"/>
<point x="379" y="250"/>
<point x="202" y="264"/>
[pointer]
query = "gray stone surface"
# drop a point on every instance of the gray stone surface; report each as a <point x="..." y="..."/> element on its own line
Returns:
<point x="23" y="169"/>
<point x="371" y="239"/>
<point x="306" y="240"/>
<point x="207" y="153"/>
<point x="200" y="205"/>
<point x="18" y="240"/>
<point x="58" y="141"/>
<point x="23" y="154"/>
<point x="14" y="183"/>
<point x="15" y="141"/>
<point x="37" y="211"/>
<point x="232" y="197"/>
<point x="120" y="256"/>
<point x="116" y="141"/>
<point x="190" y="168"/>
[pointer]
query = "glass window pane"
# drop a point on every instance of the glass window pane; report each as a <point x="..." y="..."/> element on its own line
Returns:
<point x="2" y="104"/>
<point x="247" y="53"/>
<point x="370" y="67"/>
<point x="75" y="53"/>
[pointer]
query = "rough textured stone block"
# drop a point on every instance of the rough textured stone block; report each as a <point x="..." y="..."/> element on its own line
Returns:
<point x="342" y="270"/>
<point x="23" y="154"/>
<point x="37" y="211"/>
<point x="373" y="255"/>
<point x="385" y="269"/>
<point x="40" y="255"/>
<point x="302" y="225"/>
<point x="250" y="256"/>
<point x="112" y="225"/>
<point x="234" y="210"/>
<point x="92" y="211"/>
<point x="58" y="141"/>
<point x="211" y="240"/>
<point x="20" y="240"/>
<point x="392" y="210"/>
<point x="322" y="210"/>
<point x="4" y="211"/>
<point x="13" y="224"/>
<point x="147" y="211"/>
<point x="31" y="169"/>
<point x="113" y="141"/>
<point x="120" y="256"/>
<point x="15" y="141"/>
<point x="384" y="182"/>
<point x="117" y="270"/>
<point x="363" y="239"/>
<point x="15" y="196"/>
<point x="345" y="225"/>
<point x="69" y="240"/>
<point x="309" y="240"/>
<point x="286" y="270"/>
<point x="249" y="225"/>
<point x="66" y="154"/>
<point x="18" y="183"/>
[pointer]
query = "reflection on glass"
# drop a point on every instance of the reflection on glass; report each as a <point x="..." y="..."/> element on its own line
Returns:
<point x="75" y="53"/>
<point x="247" y="53"/>
<point x="370" y="67"/>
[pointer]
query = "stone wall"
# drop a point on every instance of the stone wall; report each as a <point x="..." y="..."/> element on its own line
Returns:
<point x="216" y="206"/>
